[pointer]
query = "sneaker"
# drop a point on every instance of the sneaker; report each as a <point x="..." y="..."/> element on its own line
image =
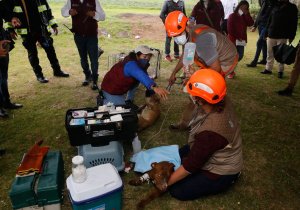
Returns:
<point x="42" y="79"/>
<point x="12" y="106"/>
<point x="262" y="62"/>
<point x="94" y="86"/>
<point x="266" y="72"/>
<point x="86" y="81"/>
<point x="285" y="92"/>
<point x="231" y="75"/>
<point x="168" y="58"/>
<point x="280" y="75"/>
<point x="252" y="64"/>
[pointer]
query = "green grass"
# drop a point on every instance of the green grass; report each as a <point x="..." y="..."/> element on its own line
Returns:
<point x="270" y="123"/>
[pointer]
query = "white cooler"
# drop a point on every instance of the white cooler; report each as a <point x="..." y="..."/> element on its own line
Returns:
<point x="102" y="189"/>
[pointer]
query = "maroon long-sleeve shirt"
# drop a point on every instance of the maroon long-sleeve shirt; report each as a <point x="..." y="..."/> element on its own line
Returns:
<point x="237" y="26"/>
<point x="205" y="145"/>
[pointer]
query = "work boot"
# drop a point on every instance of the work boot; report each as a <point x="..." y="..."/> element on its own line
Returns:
<point x="60" y="73"/>
<point x="285" y="92"/>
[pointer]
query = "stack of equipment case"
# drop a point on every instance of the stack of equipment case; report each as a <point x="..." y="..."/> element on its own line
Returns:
<point x="97" y="131"/>
<point x="40" y="191"/>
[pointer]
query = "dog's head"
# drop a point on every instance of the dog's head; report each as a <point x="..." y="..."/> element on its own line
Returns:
<point x="153" y="100"/>
<point x="160" y="174"/>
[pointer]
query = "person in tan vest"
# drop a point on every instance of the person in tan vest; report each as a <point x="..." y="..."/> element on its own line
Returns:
<point x="213" y="50"/>
<point x="212" y="160"/>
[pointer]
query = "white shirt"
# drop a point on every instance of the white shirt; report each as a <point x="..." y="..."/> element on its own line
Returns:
<point x="229" y="6"/>
<point x="99" y="13"/>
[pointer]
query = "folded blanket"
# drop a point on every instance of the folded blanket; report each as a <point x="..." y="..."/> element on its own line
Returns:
<point x="33" y="159"/>
<point x="144" y="158"/>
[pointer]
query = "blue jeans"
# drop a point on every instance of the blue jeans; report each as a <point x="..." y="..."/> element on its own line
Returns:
<point x="197" y="185"/>
<point x="261" y="44"/>
<point x="240" y="50"/>
<point x="4" y="94"/>
<point x="88" y="46"/>
<point x="168" y="46"/>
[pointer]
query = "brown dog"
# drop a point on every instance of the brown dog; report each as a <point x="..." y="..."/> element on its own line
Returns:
<point x="159" y="175"/>
<point x="150" y="112"/>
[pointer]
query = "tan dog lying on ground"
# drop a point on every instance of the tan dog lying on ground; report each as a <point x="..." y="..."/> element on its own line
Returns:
<point x="159" y="175"/>
<point x="150" y="112"/>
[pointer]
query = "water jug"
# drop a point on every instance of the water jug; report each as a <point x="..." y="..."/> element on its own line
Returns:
<point x="136" y="145"/>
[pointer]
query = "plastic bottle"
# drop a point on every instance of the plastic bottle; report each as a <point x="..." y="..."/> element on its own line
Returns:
<point x="78" y="169"/>
<point x="188" y="54"/>
<point x="136" y="145"/>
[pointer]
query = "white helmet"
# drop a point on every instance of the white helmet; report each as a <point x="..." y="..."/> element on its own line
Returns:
<point x="176" y="1"/>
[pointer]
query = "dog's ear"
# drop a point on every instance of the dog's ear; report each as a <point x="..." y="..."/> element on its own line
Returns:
<point x="153" y="164"/>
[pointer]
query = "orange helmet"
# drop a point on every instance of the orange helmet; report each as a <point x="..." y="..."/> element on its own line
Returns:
<point x="207" y="84"/>
<point x="175" y="23"/>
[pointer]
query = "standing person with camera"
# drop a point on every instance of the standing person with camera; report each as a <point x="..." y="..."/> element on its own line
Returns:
<point x="6" y="44"/>
<point x="35" y="17"/>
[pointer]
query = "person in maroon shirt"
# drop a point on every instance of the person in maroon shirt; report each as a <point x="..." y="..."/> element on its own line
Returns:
<point x="237" y="25"/>
<point x="210" y="13"/>
<point x="212" y="159"/>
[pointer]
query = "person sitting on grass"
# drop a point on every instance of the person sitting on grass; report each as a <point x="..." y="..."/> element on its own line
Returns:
<point x="212" y="160"/>
<point x="120" y="82"/>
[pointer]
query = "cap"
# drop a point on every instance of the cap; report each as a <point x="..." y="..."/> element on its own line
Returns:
<point x="77" y="160"/>
<point x="144" y="49"/>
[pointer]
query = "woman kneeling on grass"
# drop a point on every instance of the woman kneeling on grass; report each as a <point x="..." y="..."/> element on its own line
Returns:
<point x="212" y="159"/>
<point x="120" y="82"/>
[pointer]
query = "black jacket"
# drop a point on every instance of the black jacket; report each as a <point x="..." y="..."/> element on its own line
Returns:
<point x="283" y="21"/>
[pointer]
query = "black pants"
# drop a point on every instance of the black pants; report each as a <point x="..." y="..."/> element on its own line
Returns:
<point x="29" y="42"/>
<point x="197" y="185"/>
<point x="4" y="94"/>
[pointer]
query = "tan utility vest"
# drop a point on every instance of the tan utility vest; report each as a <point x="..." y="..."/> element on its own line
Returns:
<point x="228" y="160"/>
<point x="228" y="56"/>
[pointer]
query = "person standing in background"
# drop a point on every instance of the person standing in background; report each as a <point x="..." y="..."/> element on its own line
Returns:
<point x="261" y="23"/>
<point x="237" y="28"/>
<point x="209" y="12"/>
<point x="170" y="6"/>
<point x="229" y="6"/>
<point x="281" y="27"/>
<point x="6" y="44"/>
<point x="35" y="18"/>
<point x="85" y="15"/>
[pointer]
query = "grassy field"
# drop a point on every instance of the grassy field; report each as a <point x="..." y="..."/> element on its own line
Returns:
<point x="270" y="123"/>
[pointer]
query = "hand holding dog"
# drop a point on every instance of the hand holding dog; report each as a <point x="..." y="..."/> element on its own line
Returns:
<point x="162" y="92"/>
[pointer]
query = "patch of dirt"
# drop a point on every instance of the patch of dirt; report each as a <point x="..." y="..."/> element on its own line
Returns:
<point x="145" y="26"/>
